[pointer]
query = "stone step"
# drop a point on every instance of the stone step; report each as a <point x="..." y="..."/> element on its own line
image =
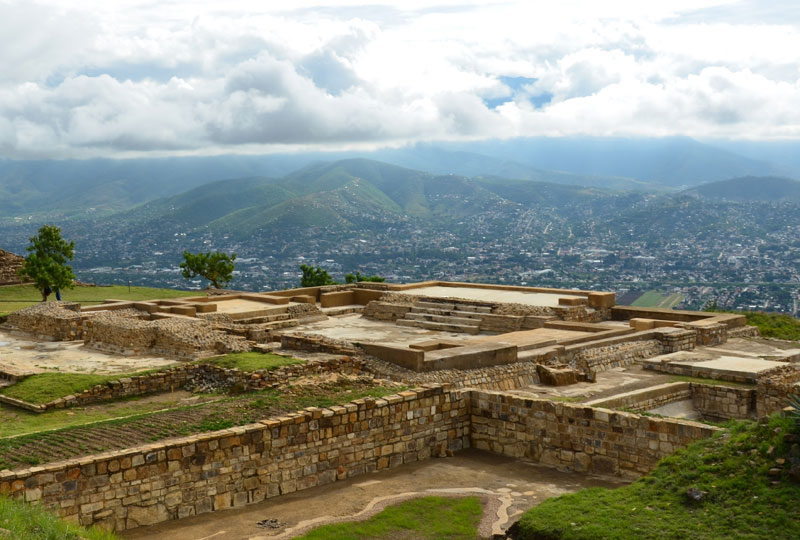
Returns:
<point x="447" y="312"/>
<point x="473" y="309"/>
<point x="265" y="319"/>
<point x="442" y="319"/>
<point x="434" y="305"/>
<point x="441" y="327"/>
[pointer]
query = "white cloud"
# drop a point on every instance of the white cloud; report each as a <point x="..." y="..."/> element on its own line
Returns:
<point x="129" y="77"/>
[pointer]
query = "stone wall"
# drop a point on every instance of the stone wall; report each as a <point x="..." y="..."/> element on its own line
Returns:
<point x="707" y="334"/>
<point x="10" y="264"/>
<point x="576" y="437"/>
<point x="724" y="402"/>
<point x="196" y="376"/>
<point x="507" y="377"/>
<point x="59" y="321"/>
<point x="775" y="387"/>
<point x="676" y="339"/>
<point x="244" y="465"/>
<point x="744" y="332"/>
<point x="646" y="398"/>
<point x="594" y="359"/>
<point x="125" y="332"/>
<point x="315" y="343"/>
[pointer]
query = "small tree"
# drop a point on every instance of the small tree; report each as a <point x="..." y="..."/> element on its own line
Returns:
<point x="46" y="263"/>
<point x="216" y="267"/>
<point x="354" y="278"/>
<point x="315" y="277"/>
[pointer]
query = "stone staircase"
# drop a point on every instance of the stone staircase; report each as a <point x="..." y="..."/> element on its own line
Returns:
<point x="275" y="318"/>
<point x="445" y="316"/>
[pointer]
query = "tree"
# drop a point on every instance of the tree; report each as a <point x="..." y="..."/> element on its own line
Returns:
<point x="216" y="267"/>
<point x="354" y="278"/>
<point x="315" y="277"/>
<point x="46" y="263"/>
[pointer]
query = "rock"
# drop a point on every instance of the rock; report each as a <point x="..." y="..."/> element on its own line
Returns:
<point x="695" y="494"/>
<point x="774" y="471"/>
<point x="556" y="375"/>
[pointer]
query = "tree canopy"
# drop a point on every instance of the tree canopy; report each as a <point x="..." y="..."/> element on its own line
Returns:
<point x="315" y="277"/>
<point x="217" y="267"/>
<point x="358" y="276"/>
<point x="46" y="263"/>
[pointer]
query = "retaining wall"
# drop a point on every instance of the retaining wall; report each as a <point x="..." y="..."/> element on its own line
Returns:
<point x="724" y="402"/>
<point x="244" y="465"/>
<point x="180" y="376"/>
<point x="576" y="437"/>
<point x="646" y="398"/>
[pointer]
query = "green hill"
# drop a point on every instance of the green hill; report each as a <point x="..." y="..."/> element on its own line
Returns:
<point x="750" y="188"/>
<point x="352" y="193"/>
<point x="742" y="480"/>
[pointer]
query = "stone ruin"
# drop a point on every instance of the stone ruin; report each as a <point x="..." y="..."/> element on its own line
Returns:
<point x="507" y="346"/>
<point x="10" y="263"/>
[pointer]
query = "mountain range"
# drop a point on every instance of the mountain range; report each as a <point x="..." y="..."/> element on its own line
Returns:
<point x="360" y="194"/>
<point x="63" y="189"/>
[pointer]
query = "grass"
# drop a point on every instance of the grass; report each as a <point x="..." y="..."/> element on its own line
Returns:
<point x="774" y="325"/>
<point x="14" y="297"/>
<point x="427" y="518"/>
<point x="221" y="414"/>
<point x="29" y="522"/>
<point x="655" y="299"/>
<point x="253" y="361"/>
<point x="44" y="387"/>
<point x="14" y="421"/>
<point x="740" y="501"/>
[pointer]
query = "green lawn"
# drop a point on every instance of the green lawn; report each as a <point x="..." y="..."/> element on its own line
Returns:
<point x="739" y="501"/>
<point x="14" y="421"/>
<point x="656" y="299"/>
<point x="252" y="361"/>
<point x="14" y="297"/>
<point x="30" y="522"/>
<point x="45" y="387"/>
<point x="428" y="518"/>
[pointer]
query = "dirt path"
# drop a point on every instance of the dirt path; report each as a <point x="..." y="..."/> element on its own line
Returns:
<point x="506" y="486"/>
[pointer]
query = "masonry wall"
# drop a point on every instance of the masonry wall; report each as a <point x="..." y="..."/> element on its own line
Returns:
<point x="59" y="321"/>
<point x="724" y="402"/>
<point x="178" y="377"/>
<point x="775" y="387"/>
<point x="593" y="359"/>
<point x="247" y="464"/>
<point x="576" y="437"/>
<point x="646" y="398"/>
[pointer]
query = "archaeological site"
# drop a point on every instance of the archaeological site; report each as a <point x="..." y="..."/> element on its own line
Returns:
<point x="510" y="393"/>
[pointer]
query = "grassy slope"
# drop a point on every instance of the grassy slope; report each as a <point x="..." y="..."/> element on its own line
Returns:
<point x="775" y="325"/>
<point x="45" y="387"/>
<point x="29" y="522"/>
<point x="253" y="361"/>
<point x="14" y="297"/>
<point x="740" y="500"/>
<point x="14" y="421"/>
<point x="428" y="518"/>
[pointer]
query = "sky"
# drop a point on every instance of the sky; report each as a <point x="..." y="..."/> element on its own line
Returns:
<point x="126" y="78"/>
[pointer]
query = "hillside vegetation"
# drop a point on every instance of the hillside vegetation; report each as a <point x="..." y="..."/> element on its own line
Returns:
<point x="751" y="188"/>
<point x="26" y="522"/>
<point x="733" y="486"/>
